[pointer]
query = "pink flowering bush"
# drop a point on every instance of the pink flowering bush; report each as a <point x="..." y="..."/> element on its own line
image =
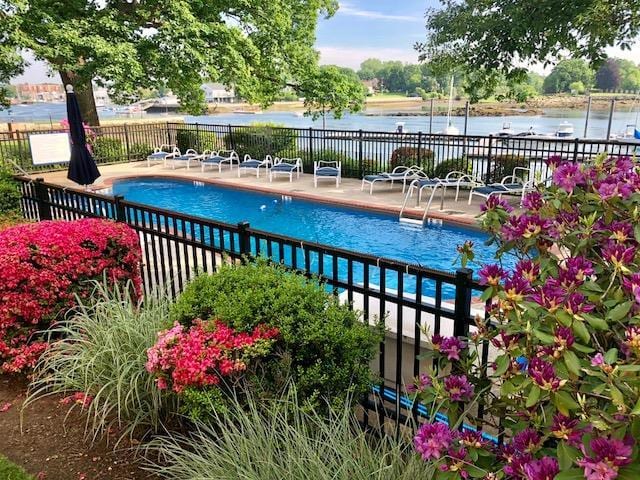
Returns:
<point x="44" y="267"/>
<point x="564" y="330"/>
<point x="90" y="134"/>
<point x="200" y="361"/>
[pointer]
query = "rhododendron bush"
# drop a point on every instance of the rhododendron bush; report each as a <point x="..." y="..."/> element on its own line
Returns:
<point x="44" y="266"/>
<point x="564" y="330"/>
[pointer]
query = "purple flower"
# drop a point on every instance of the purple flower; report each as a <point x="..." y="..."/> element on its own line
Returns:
<point x="544" y="375"/>
<point x="608" y="455"/>
<point x="458" y="388"/>
<point x="491" y="275"/>
<point x="568" y="176"/>
<point x="495" y="203"/>
<point x="563" y="338"/>
<point x="550" y="295"/>
<point x="505" y="341"/>
<point x="432" y="439"/>
<point x="576" y="304"/>
<point x="532" y="201"/>
<point x="515" y="464"/>
<point x="611" y="188"/>
<point x="472" y="439"/>
<point x="455" y="462"/>
<point x="553" y="161"/>
<point x="527" y="441"/>
<point x="528" y="269"/>
<point x="516" y="287"/>
<point x="565" y="428"/>
<point x="618" y="255"/>
<point x="544" y="469"/>
<point x="632" y="285"/>
<point x="578" y="267"/>
<point x="452" y="347"/>
<point x="621" y="232"/>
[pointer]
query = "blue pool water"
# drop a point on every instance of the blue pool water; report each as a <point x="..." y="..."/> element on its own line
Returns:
<point x="358" y="230"/>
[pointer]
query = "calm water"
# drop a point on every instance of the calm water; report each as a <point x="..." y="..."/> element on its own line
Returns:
<point x="353" y="229"/>
<point x="477" y="125"/>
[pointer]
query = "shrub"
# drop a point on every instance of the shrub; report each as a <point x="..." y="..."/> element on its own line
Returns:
<point x="504" y="165"/>
<point x="107" y="150"/>
<point x="565" y="376"/>
<point x="322" y="344"/>
<point x="292" y="443"/>
<point x="18" y="151"/>
<point x="138" y="151"/>
<point x="452" y="165"/>
<point x="409" y="156"/>
<point x="99" y="355"/>
<point x="46" y="266"/>
<point x="9" y="193"/>
<point x="261" y="139"/>
<point x="198" y="140"/>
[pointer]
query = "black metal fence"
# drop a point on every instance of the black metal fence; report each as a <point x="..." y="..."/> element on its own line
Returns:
<point x="362" y="152"/>
<point x="408" y="297"/>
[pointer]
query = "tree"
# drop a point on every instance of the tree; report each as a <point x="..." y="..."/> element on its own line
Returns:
<point x="608" y="75"/>
<point x="630" y="75"/>
<point x="493" y="35"/>
<point x="577" y="88"/>
<point x="329" y="89"/>
<point x="370" y="69"/>
<point x="565" y="73"/>
<point x="255" y="47"/>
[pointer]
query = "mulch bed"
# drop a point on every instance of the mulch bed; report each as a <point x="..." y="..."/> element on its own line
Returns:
<point x="52" y="447"/>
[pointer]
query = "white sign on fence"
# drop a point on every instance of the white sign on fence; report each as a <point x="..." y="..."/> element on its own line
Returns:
<point x="49" y="148"/>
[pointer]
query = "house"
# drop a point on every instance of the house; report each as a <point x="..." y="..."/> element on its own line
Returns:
<point x="372" y="86"/>
<point x="218" y="93"/>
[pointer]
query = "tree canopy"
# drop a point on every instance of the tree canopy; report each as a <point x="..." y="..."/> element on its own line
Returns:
<point x="488" y="36"/>
<point x="608" y="75"/>
<point x="255" y="47"/>
<point x="567" y="72"/>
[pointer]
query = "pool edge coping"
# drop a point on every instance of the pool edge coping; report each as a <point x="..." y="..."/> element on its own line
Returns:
<point x="412" y="213"/>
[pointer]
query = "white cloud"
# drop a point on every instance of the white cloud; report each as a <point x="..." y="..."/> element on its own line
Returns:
<point x="353" y="56"/>
<point x="348" y="9"/>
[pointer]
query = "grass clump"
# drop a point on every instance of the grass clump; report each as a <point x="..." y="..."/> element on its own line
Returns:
<point x="101" y="351"/>
<point x="10" y="471"/>
<point x="282" y="440"/>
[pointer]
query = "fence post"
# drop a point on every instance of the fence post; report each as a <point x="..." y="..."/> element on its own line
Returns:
<point x="42" y="200"/>
<point x="198" y="137"/>
<point x="232" y="143"/>
<point x="121" y="214"/>
<point x="420" y="149"/>
<point x="126" y="142"/>
<point x="360" y="162"/>
<point x="244" y="240"/>
<point x="575" y="150"/>
<point x="489" y="148"/>
<point x="168" y="135"/>
<point x="462" y="310"/>
<point x="311" y="145"/>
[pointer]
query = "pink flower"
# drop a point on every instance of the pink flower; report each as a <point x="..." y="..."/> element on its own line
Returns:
<point x="533" y="201"/>
<point x="496" y="203"/>
<point x="597" y="360"/>
<point x="5" y="406"/>
<point x="528" y="269"/>
<point x="527" y="441"/>
<point x="565" y="428"/>
<point x="631" y="343"/>
<point x="608" y="455"/>
<point x="618" y="255"/>
<point x="452" y="347"/>
<point x="544" y="469"/>
<point x="432" y="440"/>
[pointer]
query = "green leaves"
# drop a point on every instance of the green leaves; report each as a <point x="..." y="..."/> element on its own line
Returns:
<point x="620" y="311"/>
<point x="566" y="455"/>
<point x="572" y="362"/>
<point x="534" y="396"/>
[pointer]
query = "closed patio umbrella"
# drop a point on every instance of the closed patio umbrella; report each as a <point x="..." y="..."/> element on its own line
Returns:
<point x="82" y="167"/>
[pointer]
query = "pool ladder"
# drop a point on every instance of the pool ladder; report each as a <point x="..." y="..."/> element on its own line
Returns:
<point x="424" y="219"/>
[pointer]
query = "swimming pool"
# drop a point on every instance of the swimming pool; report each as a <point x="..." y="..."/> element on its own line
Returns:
<point x="358" y="230"/>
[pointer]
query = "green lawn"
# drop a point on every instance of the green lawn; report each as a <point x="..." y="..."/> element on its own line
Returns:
<point x="10" y="471"/>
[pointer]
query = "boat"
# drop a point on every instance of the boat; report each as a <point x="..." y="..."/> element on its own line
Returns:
<point x="401" y="128"/>
<point x="450" y="128"/>
<point x="565" y="130"/>
<point x="506" y="131"/>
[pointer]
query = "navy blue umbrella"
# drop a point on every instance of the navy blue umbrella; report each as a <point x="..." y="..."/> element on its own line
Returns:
<point x="82" y="167"/>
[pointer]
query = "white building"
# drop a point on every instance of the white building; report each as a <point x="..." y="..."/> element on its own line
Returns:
<point x="218" y="93"/>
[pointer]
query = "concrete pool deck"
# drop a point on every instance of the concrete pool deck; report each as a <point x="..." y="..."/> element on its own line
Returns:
<point x="384" y="199"/>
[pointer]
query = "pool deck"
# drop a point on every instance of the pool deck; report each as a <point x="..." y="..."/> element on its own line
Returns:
<point x="349" y="193"/>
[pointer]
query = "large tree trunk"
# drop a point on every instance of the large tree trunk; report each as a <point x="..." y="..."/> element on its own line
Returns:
<point x="84" y="93"/>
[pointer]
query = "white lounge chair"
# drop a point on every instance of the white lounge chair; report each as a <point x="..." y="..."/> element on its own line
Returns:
<point x="189" y="156"/>
<point x="219" y="158"/>
<point x="327" y="170"/>
<point x="513" y="184"/>
<point x="161" y="153"/>
<point x="401" y="173"/>
<point x="286" y="166"/>
<point x="252" y="164"/>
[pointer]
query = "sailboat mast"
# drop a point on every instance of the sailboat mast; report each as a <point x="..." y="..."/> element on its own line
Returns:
<point x="450" y="101"/>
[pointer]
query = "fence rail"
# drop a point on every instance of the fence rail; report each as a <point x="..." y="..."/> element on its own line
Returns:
<point x="361" y="152"/>
<point x="408" y="297"/>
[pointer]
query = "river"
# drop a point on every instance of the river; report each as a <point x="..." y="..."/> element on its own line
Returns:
<point x="547" y="123"/>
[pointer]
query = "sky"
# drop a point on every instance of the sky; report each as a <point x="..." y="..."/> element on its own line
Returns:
<point x="361" y="29"/>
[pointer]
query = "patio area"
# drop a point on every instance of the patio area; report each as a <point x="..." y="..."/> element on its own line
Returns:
<point x="384" y="198"/>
